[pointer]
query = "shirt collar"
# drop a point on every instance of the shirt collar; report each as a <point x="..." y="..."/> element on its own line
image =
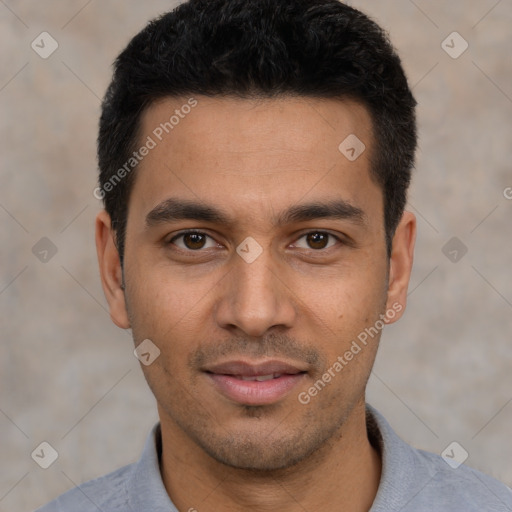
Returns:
<point x="404" y="473"/>
<point x="145" y="487"/>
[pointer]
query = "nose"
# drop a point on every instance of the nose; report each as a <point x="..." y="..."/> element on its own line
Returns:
<point x="255" y="297"/>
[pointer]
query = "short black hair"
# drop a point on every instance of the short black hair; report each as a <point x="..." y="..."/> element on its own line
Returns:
<point x="260" y="49"/>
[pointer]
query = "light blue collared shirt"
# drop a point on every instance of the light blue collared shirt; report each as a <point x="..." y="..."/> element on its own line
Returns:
<point x="412" y="481"/>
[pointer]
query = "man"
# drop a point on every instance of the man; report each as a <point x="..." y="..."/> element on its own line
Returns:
<point x="254" y="162"/>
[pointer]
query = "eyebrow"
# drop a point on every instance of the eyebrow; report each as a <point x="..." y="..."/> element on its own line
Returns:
<point x="172" y="210"/>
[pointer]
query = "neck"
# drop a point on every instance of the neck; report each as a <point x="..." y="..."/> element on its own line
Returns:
<point x="344" y="472"/>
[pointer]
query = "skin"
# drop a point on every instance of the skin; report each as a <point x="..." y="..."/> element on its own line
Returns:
<point x="303" y="300"/>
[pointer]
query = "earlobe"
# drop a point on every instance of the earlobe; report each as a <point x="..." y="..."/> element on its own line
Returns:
<point x="400" y="264"/>
<point x="110" y="270"/>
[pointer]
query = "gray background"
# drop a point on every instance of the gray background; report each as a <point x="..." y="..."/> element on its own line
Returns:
<point x="68" y="375"/>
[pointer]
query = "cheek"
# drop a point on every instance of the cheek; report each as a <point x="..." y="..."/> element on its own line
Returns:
<point x="162" y="290"/>
<point x="352" y="298"/>
<point x="347" y="312"/>
<point x="156" y="303"/>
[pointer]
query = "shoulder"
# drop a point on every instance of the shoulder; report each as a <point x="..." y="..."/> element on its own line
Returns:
<point x="104" y="493"/>
<point x="135" y="487"/>
<point x="415" y="480"/>
<point x="459" y="487"/>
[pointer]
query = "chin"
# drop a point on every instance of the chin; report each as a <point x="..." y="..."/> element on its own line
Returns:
<point x="250" y="452"/>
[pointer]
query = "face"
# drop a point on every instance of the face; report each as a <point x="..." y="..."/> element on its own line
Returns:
<point x="255" y="260"/>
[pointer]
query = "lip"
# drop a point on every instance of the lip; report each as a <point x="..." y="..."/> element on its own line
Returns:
<point x="227" y="379"/>
<point x="248" y="369"/>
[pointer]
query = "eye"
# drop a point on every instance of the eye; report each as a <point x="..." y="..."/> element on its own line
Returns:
<point x="317" y="240"/>
<point x="192" y="240"/>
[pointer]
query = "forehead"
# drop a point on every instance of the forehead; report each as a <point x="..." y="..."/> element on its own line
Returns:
<point x="287" y="123"/>
<point x="250" y="154"/>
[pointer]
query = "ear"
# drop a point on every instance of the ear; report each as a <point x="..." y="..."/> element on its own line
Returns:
<point x="400" y="265"/>
<point x="110" y="270"/>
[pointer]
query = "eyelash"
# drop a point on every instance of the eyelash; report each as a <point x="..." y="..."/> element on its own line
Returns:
<point x="193" y="231"/>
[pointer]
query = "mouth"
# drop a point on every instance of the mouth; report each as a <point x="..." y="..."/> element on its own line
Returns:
<point x="255" y="383"/>
<point x="259" y="378"/>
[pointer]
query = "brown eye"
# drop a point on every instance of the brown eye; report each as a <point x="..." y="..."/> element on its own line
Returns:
<point x="191" y="240"/>
<point x="194" y="240"/>
<point x="318" y="240"/>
